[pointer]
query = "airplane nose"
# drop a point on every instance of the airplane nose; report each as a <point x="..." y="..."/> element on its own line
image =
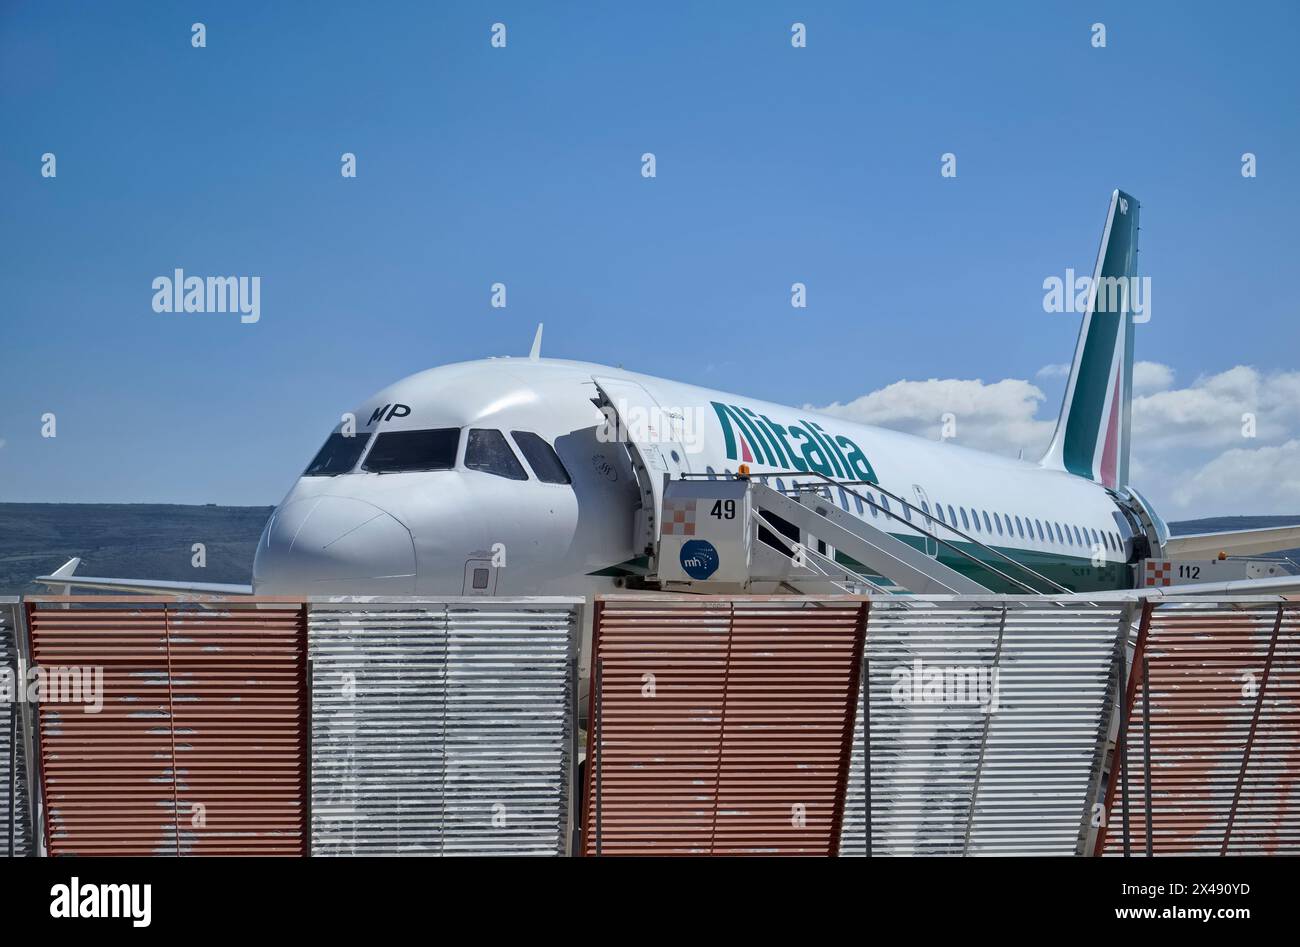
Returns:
<point x="334" y="546"/>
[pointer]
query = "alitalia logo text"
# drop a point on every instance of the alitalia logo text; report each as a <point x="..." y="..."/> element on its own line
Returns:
<point x="754" y="438"/>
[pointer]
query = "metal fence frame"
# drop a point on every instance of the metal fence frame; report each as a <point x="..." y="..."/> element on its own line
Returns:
<point x="21" y="829"/>
<point x="1131" y="690"/>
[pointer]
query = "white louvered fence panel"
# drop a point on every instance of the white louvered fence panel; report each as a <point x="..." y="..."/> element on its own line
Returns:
<point x="442" y="727"/>
<point x="947" y="778"/>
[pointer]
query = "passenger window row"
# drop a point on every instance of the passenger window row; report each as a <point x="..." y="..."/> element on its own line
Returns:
<point x="1030" y="529"/>
<point x="974" y="522"/>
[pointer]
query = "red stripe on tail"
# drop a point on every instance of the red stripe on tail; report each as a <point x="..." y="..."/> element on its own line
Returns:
<point x="1110" y="453"/>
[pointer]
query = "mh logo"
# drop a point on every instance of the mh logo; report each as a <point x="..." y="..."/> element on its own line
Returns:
<point x="699" y="559"/>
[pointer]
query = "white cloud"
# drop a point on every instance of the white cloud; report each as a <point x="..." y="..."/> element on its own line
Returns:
<point x="1151" y="376"/>
<point x="1061" y="370"/>
<point x="1246" y="481"/>
<point x="1191" y="450"/>
<point x="999" y="417"/>
<point x="1224" y="445"/>
<point x="1212" y="411"/>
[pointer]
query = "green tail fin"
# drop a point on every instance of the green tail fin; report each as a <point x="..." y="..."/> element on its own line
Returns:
<point x="1092" y="432"/>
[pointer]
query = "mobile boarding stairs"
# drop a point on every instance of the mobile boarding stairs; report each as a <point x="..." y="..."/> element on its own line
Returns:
<point x="730" y="534"/>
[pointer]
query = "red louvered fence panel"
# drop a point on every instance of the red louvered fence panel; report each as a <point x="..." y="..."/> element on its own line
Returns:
<point x="1217" y="770"/>
<point x="721" y="725"/>
<point x="200" y="747"/>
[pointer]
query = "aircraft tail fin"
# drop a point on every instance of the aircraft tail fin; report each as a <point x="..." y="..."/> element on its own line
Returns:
<point x="1093" y="431"/>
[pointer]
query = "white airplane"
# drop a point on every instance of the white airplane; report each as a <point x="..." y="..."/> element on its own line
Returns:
<point x="523" y="476"/>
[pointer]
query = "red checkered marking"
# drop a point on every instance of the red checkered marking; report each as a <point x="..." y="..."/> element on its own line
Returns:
<point x="1159" y="573"/>
<point x="679" y="517"/>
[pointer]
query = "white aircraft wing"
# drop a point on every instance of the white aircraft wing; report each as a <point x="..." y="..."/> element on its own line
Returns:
<point x="64" y="576"/>
<point x="1242" y="542"/>
<point x="1276" y="585"/>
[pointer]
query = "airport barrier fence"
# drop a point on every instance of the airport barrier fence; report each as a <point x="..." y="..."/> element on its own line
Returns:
<point x="720" y="725"/>
<point x="443" y="728"/>
<point x="171" y="728"/>
<point x="987" y="726"/>
<point x="1208" y="757"/>
<point x="15" y="793"/>
<point x="743" y="724"/>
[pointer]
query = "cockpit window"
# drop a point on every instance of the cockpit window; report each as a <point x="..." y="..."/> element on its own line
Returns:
<point x="487" y="450"/>
<point x="338" y="456"/>
<point x="541" y="457"/>
<point x="398" y="451"/>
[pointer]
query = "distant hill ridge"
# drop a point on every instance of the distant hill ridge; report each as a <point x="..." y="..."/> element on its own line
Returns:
<point x="128" y="540"/>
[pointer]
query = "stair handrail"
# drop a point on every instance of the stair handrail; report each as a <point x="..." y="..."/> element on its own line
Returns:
<point x="847" y="485"/>
<point x="849" y="574"/>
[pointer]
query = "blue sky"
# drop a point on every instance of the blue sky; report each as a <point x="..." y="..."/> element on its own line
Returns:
<point x="522" y="165"/>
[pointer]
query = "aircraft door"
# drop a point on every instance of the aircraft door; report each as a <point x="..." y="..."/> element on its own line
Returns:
<point x="654" y="440"/>
<point x="929" y="543"/>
